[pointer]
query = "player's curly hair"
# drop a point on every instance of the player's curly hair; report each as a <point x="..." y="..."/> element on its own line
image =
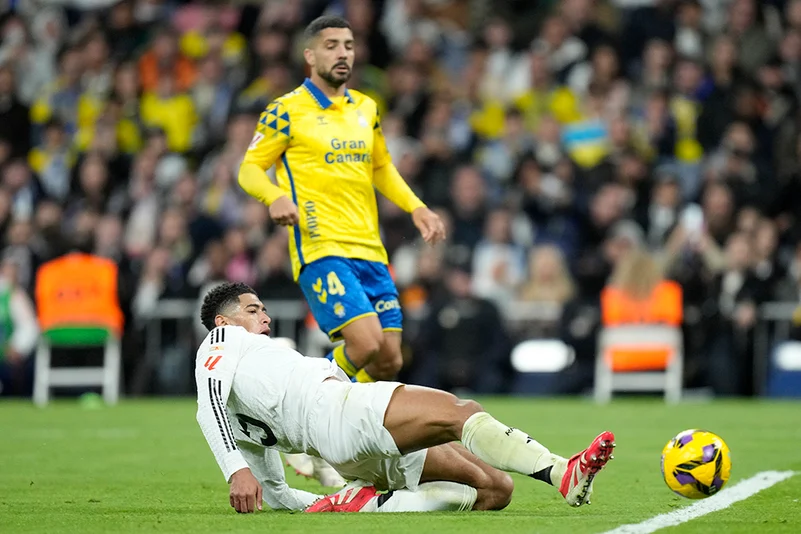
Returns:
<point x="220" y="299"/>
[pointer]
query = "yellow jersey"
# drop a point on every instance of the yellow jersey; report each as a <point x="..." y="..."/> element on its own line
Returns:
<point x="330" y="155"/>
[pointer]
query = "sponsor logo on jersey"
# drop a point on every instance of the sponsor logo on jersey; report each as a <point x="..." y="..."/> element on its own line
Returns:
<point x="339" y="310"/>
<point x="211" y="362"/>
<point x="312" y="226"/>
<point x="348" y="151"/>
<point x="255" y="141"/>
<point x="386" y="305"/>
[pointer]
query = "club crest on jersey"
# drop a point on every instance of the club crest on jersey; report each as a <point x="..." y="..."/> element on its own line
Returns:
<point x="362" y="120"/>
<point x="339" y="310"/>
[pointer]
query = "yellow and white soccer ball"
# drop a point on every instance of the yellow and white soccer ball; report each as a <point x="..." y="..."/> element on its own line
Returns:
<point x="696" y="464"/>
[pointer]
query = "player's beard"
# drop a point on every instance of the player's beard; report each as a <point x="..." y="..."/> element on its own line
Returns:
<point x="334" y="78"/>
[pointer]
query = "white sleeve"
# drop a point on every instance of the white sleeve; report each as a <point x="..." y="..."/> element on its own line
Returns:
<point x="268" y="468"/>
<point x="26" y="327"/>
<point x="214" y="372"/>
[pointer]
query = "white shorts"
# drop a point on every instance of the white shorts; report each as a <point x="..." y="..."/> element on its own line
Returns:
<point x="349" y="433"/>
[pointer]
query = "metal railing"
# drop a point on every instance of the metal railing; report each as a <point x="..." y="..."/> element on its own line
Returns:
<point x="773" y="324"/>
<point x="287" y="321"/>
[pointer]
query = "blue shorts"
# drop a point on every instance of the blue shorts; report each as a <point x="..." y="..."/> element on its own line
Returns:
<point x="342" y="290"/>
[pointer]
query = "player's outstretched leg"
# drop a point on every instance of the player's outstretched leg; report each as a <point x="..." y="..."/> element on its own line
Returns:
<point x="453" y="479"/>
<point x="360" y="496"/>
<point x="419" y="418"/>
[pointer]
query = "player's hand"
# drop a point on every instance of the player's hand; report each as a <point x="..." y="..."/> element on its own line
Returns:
<point x="284" y="212"/>
<point x="430" y="225"/>
<point x="245" y="492"/>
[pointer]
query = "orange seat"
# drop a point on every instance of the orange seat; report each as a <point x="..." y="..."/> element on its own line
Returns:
<point x="645" y="358"/>
<point x="664" y="306"/>
<point x="78" y="290"/>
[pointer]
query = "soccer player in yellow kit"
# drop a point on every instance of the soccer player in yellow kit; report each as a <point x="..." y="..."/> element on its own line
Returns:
<point x="330" y="155"/>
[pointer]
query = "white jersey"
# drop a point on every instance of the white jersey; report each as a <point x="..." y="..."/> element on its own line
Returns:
<point x="254" y="389"/>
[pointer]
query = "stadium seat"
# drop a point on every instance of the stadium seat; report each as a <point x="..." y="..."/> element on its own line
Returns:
<point x="784" y="374"/>
<point x="106" y="376"/>
<point x="639" y="358"/>
<point x="538" y="364"/>
<point x="78" y="307"/>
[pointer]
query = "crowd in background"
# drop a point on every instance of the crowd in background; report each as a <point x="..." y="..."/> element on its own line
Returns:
<point x="554" y="137"/>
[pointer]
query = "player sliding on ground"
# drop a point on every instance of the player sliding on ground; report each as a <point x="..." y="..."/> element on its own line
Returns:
<point x="257" y="397"/>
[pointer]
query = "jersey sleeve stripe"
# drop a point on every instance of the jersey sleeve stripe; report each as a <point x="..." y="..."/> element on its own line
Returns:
<point x="217" y="415"/>
<point x="296" y="227"/>
<point x="227" y="421"/>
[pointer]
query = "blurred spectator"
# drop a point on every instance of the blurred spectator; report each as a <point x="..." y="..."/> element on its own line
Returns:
<point x="15" y="124"/>
<point x="19" y="330"/>
<point x="172" y="111"/>
<point x="240" y="266"/>
<point x="274" y="271"/>
<point x="212" y="96"/>
<point x="53" y="161"/>
<point x="94" y="190"/>
<point x="468" y="193"/>
<point x="637" y="293"/>
<point x="61" y="99"/>
<point x="498" y="264"/>
<point x="33" y="57"/>
<point x="23" y="188"/>
<point x="736" y="298"/>
<point x="662" y="212"/>
<point x="548" y="277"/>
<point x="164" y="61"/>
<point x="125" y="33"/>
<point x="691" y="37"/>
<point x="221" y="197"/>
<point x="463" y="347"/>
<point x="98" y="76"/>
<point x="126" y="97"/>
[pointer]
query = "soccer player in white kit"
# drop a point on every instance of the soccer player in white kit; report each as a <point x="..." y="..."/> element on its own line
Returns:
<point x="426" y="448"/>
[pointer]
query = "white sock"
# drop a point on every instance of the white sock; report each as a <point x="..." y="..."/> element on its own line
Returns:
<point x="429" y="497"/>
<point x="509" y="449"/>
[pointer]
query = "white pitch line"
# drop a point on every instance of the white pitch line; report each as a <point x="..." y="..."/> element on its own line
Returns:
<point x="740" y="491"/>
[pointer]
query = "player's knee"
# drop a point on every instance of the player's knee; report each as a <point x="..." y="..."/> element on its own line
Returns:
<point x="503" y="487"/>
<point x="493" y="491"/>
<point x="469" y="407"/>
<point x="454" y="418"/>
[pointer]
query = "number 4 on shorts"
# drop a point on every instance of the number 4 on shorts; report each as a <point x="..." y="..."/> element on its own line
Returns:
<point x="335" y="287"/>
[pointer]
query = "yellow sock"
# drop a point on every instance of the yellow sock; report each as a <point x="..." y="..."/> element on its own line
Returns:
<point x="363" y="376"/>
<point x="344" y="363"/>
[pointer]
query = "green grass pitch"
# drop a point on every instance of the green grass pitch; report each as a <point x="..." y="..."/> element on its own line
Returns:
<point x="143" y="466"/>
